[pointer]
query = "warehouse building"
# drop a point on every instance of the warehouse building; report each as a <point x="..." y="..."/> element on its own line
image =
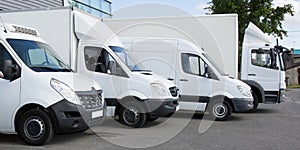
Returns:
<point x="98" y="8"/>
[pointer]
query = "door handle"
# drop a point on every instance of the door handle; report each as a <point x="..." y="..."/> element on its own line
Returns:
<point x="171" y="79"/>
<point x="251" y="74"/>
<point x="185" y="80"/>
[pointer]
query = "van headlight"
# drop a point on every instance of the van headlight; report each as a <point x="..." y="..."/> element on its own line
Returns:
<point x="159" y="89"/>
<point x="243" y="90"/>
<point x="65" y="91"/>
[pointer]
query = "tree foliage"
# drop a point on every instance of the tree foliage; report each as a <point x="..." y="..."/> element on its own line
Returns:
<point x="260" y="12"/>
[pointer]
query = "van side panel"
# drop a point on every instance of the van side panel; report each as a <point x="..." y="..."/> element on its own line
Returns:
<point x="162" y="53"/>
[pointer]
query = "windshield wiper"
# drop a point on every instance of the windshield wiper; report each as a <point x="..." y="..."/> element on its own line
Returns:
<point x="52" y="69"/>
<point x="141" y="70"/>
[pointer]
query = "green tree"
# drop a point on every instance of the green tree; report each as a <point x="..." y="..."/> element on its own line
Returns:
<point x="260" y="12"/>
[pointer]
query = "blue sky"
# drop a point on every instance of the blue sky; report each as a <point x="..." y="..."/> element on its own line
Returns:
<point x="190" y="5"/>
<point x="195" y="7"/>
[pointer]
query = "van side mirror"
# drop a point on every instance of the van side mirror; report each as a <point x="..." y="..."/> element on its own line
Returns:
<point x="211" y="74"/>
<point x="1" y="74"/>
<point x="111" y="67"/>
<point x="208" y="71"/>
<point x="11" y="71"/>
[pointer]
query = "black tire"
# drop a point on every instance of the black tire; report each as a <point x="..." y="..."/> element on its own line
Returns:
<point x="35" y="127"/>
<point x="131" y="114"/>
<point x="219" y="110"/>
<point x="255" y="102"/>
<point x="169" y="115"/>
<point x="151" y="119"/>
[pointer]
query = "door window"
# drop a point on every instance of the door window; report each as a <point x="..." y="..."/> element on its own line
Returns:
<point x="263" y="58"/>
<point x="99" y="60"/>
<point x="193" y="64"/>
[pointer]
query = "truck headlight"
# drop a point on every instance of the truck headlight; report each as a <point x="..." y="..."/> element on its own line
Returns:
<point x="65" y="91"/>
<point x="243" y="90"/>
<point x="159" y="89"/>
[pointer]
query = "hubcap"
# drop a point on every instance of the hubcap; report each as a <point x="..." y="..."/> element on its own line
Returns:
<point x="131" y="116"/>
<point x="34" y="127"/>
<point x="220" y="110"/>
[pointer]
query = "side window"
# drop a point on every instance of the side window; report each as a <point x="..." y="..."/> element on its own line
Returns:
<point x="195" y="65"/>
<point x="99" y="60"/>
<point x="262" y="58"/>
<point x="6" y="63"/>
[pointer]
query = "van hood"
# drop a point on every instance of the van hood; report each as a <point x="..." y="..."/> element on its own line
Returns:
<point x="236" y="82"/>
<point x="75" y="81"/>
<point x="152" y="78"/>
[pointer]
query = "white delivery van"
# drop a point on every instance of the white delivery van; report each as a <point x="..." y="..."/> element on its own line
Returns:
<point x="86" y="43"/>
<point x="203" y="86"/>
<point x="40" y="95"/>
<point x="217" y="34"/>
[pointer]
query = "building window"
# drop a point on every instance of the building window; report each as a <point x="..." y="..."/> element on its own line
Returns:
<point x="98" y="8"/>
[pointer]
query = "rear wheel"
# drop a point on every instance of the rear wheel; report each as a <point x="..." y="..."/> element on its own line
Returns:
<point x="219" y="110"/>
<point x="35" y="127"/>
<point x="131" y="114"/>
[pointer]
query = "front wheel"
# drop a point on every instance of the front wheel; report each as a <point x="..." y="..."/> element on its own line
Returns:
<point x="131" y="114"/>
<point x="219" y="110"/>
<point x="35" y="127"/>
<point x="255" y="102"/>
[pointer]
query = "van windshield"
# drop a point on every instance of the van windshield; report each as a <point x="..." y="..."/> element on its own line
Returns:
<point x="38" y="56"/>
<point x="215" y="65"/>
<point x="125" y="57"/>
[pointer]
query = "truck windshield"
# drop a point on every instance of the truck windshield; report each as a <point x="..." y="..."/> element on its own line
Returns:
<point x="215" y="65"/>
<point x="38" y="56"/>
<point x="125" y="57"/>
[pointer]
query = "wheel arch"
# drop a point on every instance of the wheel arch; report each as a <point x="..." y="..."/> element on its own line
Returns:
<point x="257" y="89"/>
<point x="127" y="98"/>
<point x="24" y="109"/>
<point x="225" y="99"/>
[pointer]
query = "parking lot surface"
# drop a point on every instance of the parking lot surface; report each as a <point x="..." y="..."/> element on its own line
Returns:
<point x="271" y="127"/>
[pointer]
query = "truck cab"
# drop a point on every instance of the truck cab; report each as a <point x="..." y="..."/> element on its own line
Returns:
<point x="203" y="86"/>
<point x="262" y="67"/>
<point x="40" y="95"/>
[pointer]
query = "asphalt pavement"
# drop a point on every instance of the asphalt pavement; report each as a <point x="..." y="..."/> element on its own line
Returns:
<point x="271" y="127"/>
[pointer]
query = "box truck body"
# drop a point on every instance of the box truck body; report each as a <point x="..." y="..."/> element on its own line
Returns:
<point x="86" y="44"/>
<point x="40" y="95"/>
<point x="217" y="35"/>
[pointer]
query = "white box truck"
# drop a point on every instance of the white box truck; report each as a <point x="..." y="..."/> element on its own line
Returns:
<point x="40" y="95"/>
<point x="217" y="35"/>
<point x="86" y="43"/>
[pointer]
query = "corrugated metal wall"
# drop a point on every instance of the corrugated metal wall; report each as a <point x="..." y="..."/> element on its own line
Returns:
<point x="28" y="4"/>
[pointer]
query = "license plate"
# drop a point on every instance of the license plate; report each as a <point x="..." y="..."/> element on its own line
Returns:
<point x="97" y="114"/>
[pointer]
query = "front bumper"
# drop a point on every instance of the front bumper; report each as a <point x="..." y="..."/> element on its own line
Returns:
<point x="70" y="118"/>
<point x="242" y="104"/>
<point x="161" y="107"/>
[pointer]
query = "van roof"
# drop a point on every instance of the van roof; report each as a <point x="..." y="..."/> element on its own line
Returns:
<point x="180" y="43"/>
<point x="18" y="32"/>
